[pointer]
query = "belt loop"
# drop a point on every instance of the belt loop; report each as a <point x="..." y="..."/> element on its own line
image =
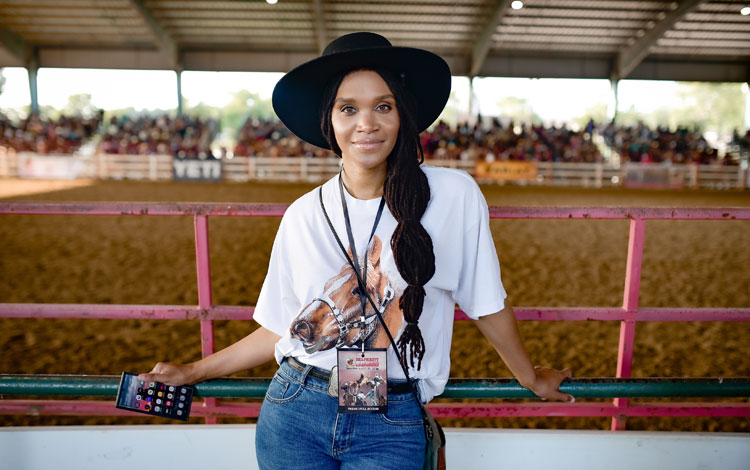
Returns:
<point x="416" y="383"/>
<point x="308" y="368"/>
<point x="304" y="373"/>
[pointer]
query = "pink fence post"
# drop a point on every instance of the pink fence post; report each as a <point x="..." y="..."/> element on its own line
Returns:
<point x="630" y="305"/>
<point x="205" y="302"/>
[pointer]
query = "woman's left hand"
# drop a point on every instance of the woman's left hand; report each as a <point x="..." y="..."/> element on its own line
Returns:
<point x="547" y="383"/>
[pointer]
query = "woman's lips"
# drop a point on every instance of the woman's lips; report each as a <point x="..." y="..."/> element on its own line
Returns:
<point x="368" y="145"/>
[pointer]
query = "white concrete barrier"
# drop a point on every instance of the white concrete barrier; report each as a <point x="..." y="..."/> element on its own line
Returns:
<point x="226" y="446"/>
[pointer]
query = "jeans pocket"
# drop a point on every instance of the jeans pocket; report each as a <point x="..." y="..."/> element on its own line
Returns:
<point x="403" y="413"/>
<point x="282" y="389"/>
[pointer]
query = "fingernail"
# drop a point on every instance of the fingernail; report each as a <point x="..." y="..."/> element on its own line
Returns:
<point x="572" y="399"/>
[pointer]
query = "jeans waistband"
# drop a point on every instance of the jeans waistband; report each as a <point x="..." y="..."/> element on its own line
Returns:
<point x="320" y="378"/>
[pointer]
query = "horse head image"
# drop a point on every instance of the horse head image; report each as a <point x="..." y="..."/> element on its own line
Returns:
<point x="334" y="318"/>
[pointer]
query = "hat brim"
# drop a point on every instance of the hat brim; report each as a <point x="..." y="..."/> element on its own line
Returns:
<point x="297" y="96"/>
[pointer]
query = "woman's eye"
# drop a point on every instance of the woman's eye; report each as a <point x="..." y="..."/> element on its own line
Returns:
<point x="384" y="107"/>
<point x="348" y="109"/>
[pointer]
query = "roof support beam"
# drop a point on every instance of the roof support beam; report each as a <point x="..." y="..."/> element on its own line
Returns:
<point x="321" y="33"/>
<point x="32" y="66"/>
<point x="630" y="56"/>
<point x="179" y="92"/>
<point x="14" y="44"/>
<point x="167" y="45"/>
<point x="482" y="46"/>
<point x="17" y="47"/>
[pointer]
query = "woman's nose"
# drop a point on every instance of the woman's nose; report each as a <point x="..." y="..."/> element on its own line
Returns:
<point x="367" y="121"/>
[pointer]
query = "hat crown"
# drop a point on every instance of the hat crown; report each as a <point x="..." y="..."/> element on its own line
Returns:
<point x="356" y="41"/>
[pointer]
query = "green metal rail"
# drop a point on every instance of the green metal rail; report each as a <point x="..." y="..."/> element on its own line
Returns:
<point x="106" y="386"/>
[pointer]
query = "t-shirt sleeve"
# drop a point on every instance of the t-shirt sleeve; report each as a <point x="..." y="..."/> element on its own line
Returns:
<point x="277" y="303"/>
<point x="480" y="288"/>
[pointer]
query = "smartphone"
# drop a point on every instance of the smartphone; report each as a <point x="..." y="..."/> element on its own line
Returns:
<point x="154" y="398"/>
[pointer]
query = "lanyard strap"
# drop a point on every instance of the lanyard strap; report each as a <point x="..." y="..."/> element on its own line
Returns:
<point x="355" y="258"/>
<point x="364" y="291"/>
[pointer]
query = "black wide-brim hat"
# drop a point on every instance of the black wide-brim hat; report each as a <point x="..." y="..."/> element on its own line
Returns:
<point x="297" y="96"/>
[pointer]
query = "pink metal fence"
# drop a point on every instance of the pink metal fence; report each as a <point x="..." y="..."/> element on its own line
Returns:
<point x="628" y="315"/>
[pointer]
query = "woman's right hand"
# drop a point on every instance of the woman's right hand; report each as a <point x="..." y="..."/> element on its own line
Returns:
<point x="168" y="373"/>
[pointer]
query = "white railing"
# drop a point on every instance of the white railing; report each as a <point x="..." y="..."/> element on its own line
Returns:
<point x="298" y="169"/>
<point x="142" y="167"/>
<point x="8" y="164"/>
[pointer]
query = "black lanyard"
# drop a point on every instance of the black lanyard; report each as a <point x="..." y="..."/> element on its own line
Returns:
<point x="355" y="260"/>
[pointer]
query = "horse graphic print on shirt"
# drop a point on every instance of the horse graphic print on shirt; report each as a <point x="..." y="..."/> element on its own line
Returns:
<point x="333" y="319"/>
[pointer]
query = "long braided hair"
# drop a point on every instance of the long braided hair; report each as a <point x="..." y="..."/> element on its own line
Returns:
<point x="407" y="193"/>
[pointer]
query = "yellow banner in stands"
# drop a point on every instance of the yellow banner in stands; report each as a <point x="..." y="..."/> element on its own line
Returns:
<point x="506" y="170"/>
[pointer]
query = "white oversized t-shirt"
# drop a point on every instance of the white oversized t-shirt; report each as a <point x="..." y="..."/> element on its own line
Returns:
<point x="309" y="296"/>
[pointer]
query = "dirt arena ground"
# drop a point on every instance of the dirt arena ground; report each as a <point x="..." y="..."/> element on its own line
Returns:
<point x="145" y="260"/>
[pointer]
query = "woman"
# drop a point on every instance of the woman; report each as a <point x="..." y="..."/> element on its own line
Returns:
<point x="419" y="239"/>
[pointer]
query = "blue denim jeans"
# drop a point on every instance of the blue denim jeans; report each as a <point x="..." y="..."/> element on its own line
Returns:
<point x="299" y="427"/>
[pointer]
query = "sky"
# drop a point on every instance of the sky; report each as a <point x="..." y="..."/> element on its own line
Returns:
<point x="554" y="100"/>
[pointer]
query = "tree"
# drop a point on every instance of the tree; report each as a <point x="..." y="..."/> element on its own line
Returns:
<point x="80" y="105"/>
<point x="202" y="110"/>
<point x="518" y="109"/>
<point x="597" y="112"/>
<point x="451" y="113"/>
<point x="713" y="106"/>
<point x="717" y="107"/>
<point x="629" y="117"/>
<point x="245" y="104"/>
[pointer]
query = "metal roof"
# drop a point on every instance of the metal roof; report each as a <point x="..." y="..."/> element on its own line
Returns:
<point x="686" y="40"/>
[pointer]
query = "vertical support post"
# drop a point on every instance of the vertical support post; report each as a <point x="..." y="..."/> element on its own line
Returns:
<point x="152" y="167"/>
<point x="251" y="176"/>
<point x="33" y="67"/>
<point x="746" y="92"/>
<point x="4" y="172"/>
<point x="693" y="169"/>
<point x="615" y="86"/>
<point x="204" y="295"/>
<point x="740" y="177"/>
<point x="472" y="100"/>
<point x="630" y="305"/>
<point x="179" y="92"/>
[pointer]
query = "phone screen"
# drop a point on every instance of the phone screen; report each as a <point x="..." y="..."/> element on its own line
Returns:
<point x="154" y="398"/>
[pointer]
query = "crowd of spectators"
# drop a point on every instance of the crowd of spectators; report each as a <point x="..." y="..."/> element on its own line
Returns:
<point x="739" y="147"/>
<point x="34" y="134"/>
<point x="272" y="139"/>
<point x="487" y="140"/>
<point x="181" y="137"/>
<point x="642" y="144"/>
<point x="498" y="142"/>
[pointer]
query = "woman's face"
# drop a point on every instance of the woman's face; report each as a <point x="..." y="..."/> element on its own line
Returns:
<point x="365" y="121"/>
